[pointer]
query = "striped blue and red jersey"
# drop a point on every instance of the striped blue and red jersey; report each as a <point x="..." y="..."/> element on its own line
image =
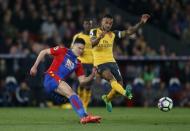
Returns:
<point x="64" y="63"/>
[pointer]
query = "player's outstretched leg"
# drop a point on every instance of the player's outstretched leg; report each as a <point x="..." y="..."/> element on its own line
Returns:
<point x="107" y="98"/>
<point x="108" y="103"/>
<point x="65" y="89"/>
<point x="125" y="92"/>
<point x="128" y="93"/>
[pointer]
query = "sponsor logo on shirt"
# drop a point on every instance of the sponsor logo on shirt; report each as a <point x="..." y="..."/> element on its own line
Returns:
<point x="69" y="64"/>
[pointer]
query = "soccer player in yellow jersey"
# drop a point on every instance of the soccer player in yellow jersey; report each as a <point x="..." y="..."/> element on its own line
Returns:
<point x="86" y="59"/>
<point x="102" y="39"/>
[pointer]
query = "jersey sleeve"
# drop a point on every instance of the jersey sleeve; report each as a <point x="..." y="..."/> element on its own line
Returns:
<point x="117" y="34"/>
<point x="79" y="70"/>
<point x="93" y="33"/>
<point x="55" y="51"/>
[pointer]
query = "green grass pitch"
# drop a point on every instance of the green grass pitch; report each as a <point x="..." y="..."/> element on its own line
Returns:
<point x="121" y="119"/>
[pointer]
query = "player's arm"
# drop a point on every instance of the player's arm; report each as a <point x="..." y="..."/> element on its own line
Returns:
<point x="85" y="79"/>
<point x="81" y="76"/>
<point x="40" y="57"/>
<point x="73" y="41"/>
<point x="134" y="28"/>
<point x="55" y="51"/>
<point x="94" y="39"/>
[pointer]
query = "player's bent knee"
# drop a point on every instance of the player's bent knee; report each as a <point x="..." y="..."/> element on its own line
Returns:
<point x="108" y="75"/>
<point x="65" y="89"/>
<point x="70" y="94"/>
<point x="120" y="82"/>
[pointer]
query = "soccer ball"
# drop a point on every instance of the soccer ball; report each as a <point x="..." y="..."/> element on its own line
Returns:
<point x="165" y="104"/>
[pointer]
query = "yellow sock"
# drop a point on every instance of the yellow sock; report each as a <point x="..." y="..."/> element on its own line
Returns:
<point x="117" y="87"/>
<point x="111" y="95"/>
<point x="80" y="93"/>
<point x="87" y="97"/>
<point x="83" y="96"/>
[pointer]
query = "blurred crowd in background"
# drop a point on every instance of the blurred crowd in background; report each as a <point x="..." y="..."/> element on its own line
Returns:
<point x="172" y="16"/>
<point x="28" y="26"/>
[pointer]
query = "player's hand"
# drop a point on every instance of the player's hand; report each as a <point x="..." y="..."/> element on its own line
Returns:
<point x="144" y="18"/>
<point x="33" y="71"/>
<point x="94" y="71"/>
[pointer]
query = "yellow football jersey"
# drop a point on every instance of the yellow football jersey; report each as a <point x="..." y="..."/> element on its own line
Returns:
<point x="87" y="57"/>
<point x="103" y="51"/>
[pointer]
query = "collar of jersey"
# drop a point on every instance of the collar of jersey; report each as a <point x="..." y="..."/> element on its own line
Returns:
<point x="71" y="53"/>
<point x="102" y="30"/>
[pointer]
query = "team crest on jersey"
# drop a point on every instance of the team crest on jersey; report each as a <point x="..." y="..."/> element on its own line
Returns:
<point x="110" y="34"/>
<point x="56" y="48"/>
<point x="69" y="64"/>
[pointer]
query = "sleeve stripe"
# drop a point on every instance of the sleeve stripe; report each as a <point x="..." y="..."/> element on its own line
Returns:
<point x="119" y="34"/>
<point x="93" y="33"/>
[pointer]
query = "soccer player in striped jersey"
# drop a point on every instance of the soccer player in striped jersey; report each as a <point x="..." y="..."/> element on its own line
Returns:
<point x="64" y="63"/>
